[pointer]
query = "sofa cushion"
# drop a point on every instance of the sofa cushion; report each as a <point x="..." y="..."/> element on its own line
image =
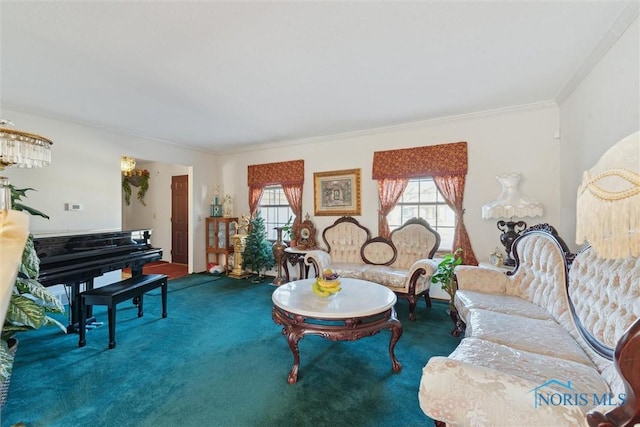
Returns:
<point x="466" y="300"/>
<point x="347" y="269"/>
<point x="413" y="241"/>
<point x="394" y="278"/>
<point x="532" y="366"/>
<point x="541" y="274"/>
<point x="378" y="251"/>
<point x="534" y="335"/>
<point x="605" y="294"/>
<point x="465" y="394"/>
<point x="344" y="240"/>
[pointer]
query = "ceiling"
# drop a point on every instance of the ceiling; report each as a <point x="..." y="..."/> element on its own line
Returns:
<point x="219" y="75"/>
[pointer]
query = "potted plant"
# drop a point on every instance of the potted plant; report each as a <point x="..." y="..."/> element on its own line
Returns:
<point x="444" y="274"/>
<point x="137" y="178"/>
<point x="287" y="232"/>
<point x="30" y="302"/>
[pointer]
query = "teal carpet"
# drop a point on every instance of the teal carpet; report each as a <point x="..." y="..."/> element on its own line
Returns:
<point x="220" y="360"/>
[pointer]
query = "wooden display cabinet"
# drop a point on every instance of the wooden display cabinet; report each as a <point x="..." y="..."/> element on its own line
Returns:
<point x="220" y="231"/>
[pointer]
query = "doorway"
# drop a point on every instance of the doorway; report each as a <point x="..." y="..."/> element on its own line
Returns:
<point x="156" y="212"/>
<point x="180" y="219"/>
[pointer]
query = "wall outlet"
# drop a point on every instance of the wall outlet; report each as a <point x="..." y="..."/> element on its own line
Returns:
<point x="72" y="207"/>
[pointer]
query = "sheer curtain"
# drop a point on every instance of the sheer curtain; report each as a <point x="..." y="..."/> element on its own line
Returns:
<point x="293" y="193"/>
<point x="389" y="192"/>
<point x="452" y="189"/>
<point x="255" y="193"/>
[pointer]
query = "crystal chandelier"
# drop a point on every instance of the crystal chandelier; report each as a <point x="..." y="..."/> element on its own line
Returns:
<point x="127" y="164"/>
<point x="21" y="149"/>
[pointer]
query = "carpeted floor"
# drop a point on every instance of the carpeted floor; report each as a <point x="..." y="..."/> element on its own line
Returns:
<point x="219" y="360"/>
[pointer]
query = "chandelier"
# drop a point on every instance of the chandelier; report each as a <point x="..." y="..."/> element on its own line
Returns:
<point x="127" y="164"/>
<point x="22" y="149"/>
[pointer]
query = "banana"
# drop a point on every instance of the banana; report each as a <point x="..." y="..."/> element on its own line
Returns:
<point x="318" y="291"/>
<point x="328" y="285"/>
<point x="331" y="290"/>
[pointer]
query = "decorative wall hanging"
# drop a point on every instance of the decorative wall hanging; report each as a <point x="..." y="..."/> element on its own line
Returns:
<point x="337" y="192"/>
<point x="137" y="178"/>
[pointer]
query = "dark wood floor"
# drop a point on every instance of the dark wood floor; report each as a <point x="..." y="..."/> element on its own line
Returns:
<point x="161" y="267"/>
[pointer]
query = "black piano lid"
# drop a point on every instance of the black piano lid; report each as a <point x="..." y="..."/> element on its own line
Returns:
<point x="56" y="247"/>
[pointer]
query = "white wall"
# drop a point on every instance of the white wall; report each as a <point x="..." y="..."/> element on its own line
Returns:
<point x="602" y="110"/>
<point x="516" y="140"/>
<point x="157" y="212"/>
<point x="86" y="169"/>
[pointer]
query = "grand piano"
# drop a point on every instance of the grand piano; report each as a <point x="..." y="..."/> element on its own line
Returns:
<point x="75" y="260"/>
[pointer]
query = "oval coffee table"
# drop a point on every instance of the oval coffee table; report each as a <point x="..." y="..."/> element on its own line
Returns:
<point x="360" y="309"/>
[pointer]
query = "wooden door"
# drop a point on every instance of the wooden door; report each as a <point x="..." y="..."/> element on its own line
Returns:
<point x="180" y="219"/>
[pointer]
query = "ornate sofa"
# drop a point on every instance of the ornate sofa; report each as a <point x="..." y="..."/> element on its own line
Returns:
<point x="538" y="345"/>
<point x="403" y="263"/>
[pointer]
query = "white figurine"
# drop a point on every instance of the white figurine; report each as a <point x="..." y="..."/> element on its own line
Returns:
<point x="227" y="207"/>
<point x="243" y="227"/>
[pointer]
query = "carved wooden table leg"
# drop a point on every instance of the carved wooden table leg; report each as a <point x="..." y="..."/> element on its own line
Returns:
<point x="396" y="333"/>
<point x="293" y="339"/>
<point x="295" y="327"/>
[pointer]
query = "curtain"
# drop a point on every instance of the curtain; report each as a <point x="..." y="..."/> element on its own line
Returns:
<point x="452" y="189"/>
<point x="389" y="192"/>
<point x="293" y="193"/>
<point x="432" y="160"/>
<point x="289" y="174"/>
<point x="255" y="193"/>
<point x="446" y="163"/>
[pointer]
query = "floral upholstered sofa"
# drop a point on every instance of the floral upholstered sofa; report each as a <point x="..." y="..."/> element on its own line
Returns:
<point x="539" y="343"/>
<point x="402" y="263"/>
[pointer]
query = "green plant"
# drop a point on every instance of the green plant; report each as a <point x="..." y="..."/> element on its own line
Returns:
<point x="137" y="178"/>
<point x="444" y="274"/>
<point x="30" y="300"/>
<point x="287" y="230"/>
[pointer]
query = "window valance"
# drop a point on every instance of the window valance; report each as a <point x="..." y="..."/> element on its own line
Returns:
<point x="284" y="173"/>
<point x="432" y="160"/>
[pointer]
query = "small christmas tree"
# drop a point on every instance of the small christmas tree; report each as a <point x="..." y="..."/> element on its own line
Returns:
<point x="257" y="255"/>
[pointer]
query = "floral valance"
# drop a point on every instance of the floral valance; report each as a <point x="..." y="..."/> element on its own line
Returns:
<point x="432" y="160"/>
<point x="284" y="173"/>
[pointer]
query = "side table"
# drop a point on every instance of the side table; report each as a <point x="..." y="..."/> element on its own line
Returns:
<point x="295" y="256"/>
<point x="502" y="268"/>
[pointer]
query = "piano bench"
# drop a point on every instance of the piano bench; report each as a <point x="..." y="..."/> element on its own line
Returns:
<point x="115" y="293"/>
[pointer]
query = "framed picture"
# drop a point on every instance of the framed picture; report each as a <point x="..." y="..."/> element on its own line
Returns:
<point x="337" y="192"/>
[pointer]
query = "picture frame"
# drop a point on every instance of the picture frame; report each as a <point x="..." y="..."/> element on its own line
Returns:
<point x="337" y="192"/>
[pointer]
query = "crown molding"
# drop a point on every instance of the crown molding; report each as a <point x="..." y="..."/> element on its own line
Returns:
<point x="119" y="131"/>
<point x="391" y="128"/>
<point x="626" y="18"/>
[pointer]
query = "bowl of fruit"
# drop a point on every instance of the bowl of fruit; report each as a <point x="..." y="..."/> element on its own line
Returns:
<point x="327" y="284"/>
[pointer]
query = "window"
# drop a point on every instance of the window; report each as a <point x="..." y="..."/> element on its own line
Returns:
<point x="421" y="199"/>
<point x="275" y="210"/>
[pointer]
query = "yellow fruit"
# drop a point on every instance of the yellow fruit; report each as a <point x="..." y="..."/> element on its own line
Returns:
<point x="331" y="290"/>
<point x="318" y="291"/>
<point x="327" y="271"/>
<point x="328" y="284"/>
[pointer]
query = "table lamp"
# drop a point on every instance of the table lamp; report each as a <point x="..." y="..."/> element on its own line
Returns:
<point x="608" y="203"/>
<point x="508" y="205"/>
